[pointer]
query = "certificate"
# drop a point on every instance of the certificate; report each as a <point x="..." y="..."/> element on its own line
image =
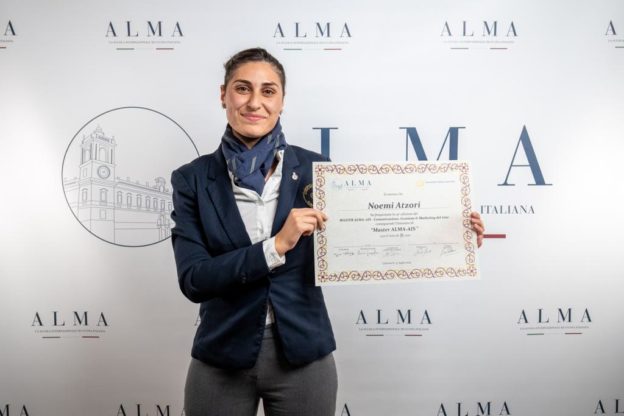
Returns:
<point x="392" y="222"/>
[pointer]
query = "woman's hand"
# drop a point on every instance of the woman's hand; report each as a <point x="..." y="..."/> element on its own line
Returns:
<point x="300" y="222"/>
<point x="477" y="226"/>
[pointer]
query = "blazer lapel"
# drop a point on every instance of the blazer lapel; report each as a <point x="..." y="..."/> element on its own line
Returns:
<point x="291" y="176"/>
<point x="220" y="190"/>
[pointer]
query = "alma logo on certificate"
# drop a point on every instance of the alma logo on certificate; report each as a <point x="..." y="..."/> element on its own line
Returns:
<point x="479" y="34"/>
<point x="72" y="324"/>
<point x="357" y="183"/>
<point x="116" y="170"/>
<point x="144" y="34"/>
<point x="554" y="321"/>
<point x="397" y="322"/>
<point x="312" y="35"/>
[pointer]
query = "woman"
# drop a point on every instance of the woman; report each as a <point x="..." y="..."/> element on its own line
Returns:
<point x="243" y="248"/>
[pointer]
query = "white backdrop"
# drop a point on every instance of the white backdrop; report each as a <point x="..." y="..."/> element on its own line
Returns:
<point x="91" y="319"/>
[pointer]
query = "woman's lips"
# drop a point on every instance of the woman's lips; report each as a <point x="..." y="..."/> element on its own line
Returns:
<point x="253" y="117"/>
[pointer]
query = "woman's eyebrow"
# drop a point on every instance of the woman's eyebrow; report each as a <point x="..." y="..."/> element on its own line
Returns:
<point x="264" y="84"/>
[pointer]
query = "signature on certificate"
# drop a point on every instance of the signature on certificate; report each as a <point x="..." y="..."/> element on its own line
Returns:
<point x="447" y="249"/>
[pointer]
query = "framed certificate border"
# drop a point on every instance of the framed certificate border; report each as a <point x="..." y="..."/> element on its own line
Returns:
<point x="469" y="266"/>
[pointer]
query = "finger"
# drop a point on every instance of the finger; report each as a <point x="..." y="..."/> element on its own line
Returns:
<point x="479" y="241"/>
<point x="313" y="216"/>
<point x="478" y="228"/>
<point x="476" y="221"/>
<point x="320" y="220"/>
<point x="307" y="230"/>
<point x="475" y="214"/>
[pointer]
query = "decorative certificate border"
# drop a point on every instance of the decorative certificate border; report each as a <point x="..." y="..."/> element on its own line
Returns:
<point x="462" y="168"/>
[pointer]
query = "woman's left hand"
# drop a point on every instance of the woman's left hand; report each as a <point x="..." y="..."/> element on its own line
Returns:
<point x="477" y="226"/>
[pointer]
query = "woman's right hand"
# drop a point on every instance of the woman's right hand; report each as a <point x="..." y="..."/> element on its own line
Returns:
<point x="300" y="222"/>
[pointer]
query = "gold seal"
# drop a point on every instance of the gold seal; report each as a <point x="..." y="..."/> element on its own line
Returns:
<point x="307" y="195"/>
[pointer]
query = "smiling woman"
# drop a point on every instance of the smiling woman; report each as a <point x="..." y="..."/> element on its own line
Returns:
<point x="253" y="99"/>
<point x="243" y="249"/>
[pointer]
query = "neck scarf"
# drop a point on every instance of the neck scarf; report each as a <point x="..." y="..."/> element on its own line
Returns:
<point x="250" y="166"/>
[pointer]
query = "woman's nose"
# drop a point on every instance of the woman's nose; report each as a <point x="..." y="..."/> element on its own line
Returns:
<point x="254" y="100"/>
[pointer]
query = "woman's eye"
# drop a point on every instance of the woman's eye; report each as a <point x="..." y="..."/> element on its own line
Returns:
<point x="241" y="88"/>
<point x="269" y="92"/>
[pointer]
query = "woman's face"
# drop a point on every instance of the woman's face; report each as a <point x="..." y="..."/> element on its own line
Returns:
<point x="253" y="100"/>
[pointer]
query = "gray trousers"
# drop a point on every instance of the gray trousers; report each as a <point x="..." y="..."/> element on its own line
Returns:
<point x="285" y="390"/>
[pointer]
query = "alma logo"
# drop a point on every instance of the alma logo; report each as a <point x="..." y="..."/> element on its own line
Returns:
<point x="79" y="319"/>
<point x="315" y="30"/>
<point x="484" y="29"/>
<point x="608" y="407"/>
<point x="147" y="29"/>
<point x="394" y="321"/>
<point x="132" y="35"/>
<point x="562" y="315"/>
<point x="318" y="35"/>
<point x="524" y="150"/>
<point x="492" y="34"/>
<point x="8" y="410"/>
<point x="72" y="325"/>
<point x="479" y="409"/>
<point x="554" y="319"/>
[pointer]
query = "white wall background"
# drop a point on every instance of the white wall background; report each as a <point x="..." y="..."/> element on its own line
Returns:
<point x="561" y="77"/>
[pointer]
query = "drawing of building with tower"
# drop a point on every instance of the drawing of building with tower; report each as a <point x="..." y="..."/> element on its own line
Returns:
<point x="121" y="211"/>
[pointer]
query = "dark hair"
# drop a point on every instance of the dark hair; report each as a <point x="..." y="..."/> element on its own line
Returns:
<point x="253" y="55"/>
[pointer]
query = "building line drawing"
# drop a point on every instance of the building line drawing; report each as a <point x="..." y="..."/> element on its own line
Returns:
<point x="120" y="211"/>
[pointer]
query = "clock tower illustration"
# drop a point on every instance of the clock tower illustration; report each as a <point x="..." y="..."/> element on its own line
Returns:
<point x="120" y="211"/>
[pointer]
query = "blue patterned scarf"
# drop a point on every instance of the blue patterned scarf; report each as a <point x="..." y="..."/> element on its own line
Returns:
<point x="250" y="166"/>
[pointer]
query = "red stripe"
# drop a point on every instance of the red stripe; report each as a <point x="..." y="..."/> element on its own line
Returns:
<point x="494" y="235"/>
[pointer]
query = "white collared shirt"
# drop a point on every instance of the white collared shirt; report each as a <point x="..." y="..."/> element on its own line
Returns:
<point x="258" y="213"/>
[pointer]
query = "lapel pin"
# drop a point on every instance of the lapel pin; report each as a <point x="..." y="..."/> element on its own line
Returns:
<point x="295" y="176"/>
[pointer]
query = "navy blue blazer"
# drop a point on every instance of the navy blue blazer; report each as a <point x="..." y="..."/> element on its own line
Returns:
<point x="218" y="266"/>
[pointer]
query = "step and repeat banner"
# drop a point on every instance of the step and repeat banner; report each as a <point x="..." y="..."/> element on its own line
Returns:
<point x="100" y="101"/>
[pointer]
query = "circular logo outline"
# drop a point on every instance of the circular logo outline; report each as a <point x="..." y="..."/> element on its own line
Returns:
<point x="72" y="141"/>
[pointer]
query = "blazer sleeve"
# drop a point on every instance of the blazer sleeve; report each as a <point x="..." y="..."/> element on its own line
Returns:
<point x="201" y="275"/>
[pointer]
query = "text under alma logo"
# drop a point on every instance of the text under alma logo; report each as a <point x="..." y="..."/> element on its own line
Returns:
<point x="554" y="321"/>
<point x="312" y="35"/>
<point x="129" y="35"/>
<point x="116" y="170"/>
<point x="479" y="34"/>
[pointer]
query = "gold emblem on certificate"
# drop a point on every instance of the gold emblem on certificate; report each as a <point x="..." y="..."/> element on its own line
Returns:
<point x="307" y="195"/>
<point x="391" y="222"/>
